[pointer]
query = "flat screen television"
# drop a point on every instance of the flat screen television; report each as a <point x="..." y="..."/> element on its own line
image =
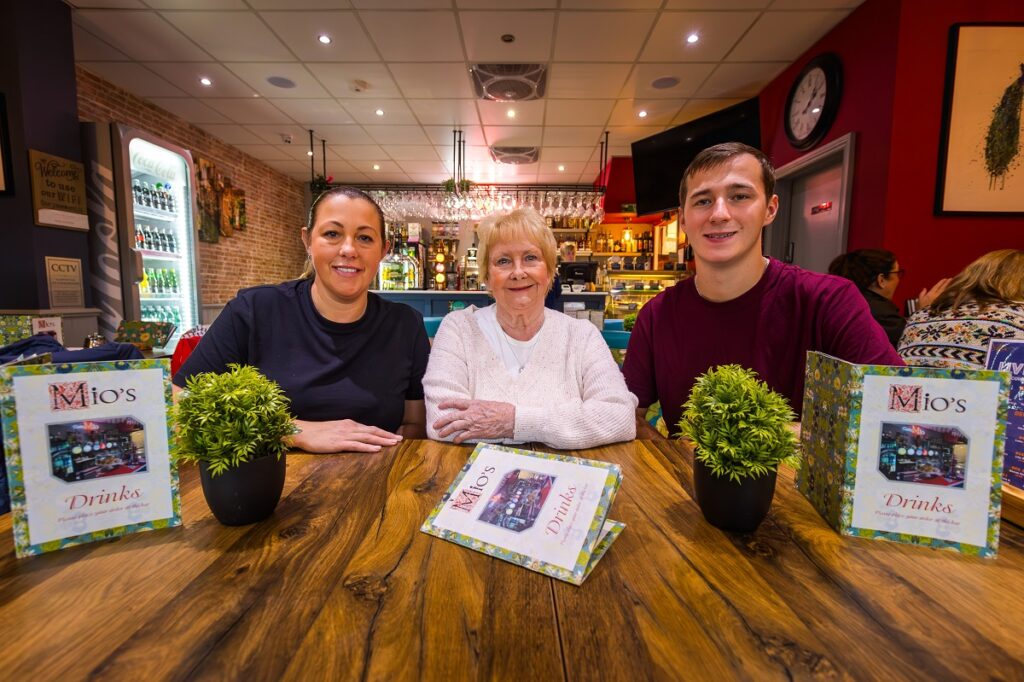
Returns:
<point x="659" y="160"/>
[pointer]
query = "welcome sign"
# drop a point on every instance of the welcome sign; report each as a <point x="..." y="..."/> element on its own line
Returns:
<point x="88" y="451"/>
<point x="909" y="454"/>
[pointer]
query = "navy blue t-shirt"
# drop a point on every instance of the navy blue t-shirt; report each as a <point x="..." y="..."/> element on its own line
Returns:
<point x="362" y="370"/>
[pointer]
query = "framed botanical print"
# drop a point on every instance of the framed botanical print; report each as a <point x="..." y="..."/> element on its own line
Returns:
<point x="981" y="153"/>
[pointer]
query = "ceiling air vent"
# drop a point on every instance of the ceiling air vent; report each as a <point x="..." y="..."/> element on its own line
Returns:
<point x="510" y="82"/>
<point x="515" y="155"/>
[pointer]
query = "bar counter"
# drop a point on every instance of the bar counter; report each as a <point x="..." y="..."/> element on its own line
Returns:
<point x="340" y="584"/>
<point x="432" y="303"/>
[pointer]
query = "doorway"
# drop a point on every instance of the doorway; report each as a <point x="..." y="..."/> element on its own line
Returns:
<point x="814" y="207"/>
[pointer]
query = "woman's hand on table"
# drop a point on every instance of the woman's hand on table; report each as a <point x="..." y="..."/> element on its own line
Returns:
<point x="476" y="420"/>
<point x="342" y="435"/>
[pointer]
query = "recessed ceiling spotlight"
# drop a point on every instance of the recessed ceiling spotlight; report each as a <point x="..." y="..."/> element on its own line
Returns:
<point x="816" y="110"/>
<point x="511" y="113"/>
<point x="205" y="82"/>
<point x="508" y="38"/>
<point x="642" y="113"/>
<point x="255" y="94"/>
<point x="281" y="82"/>
<point x="309" y="153"/>
<point x="561" y="169"/>
<point x="376" y="166"/>
<point x="692" y="38"/>
<point x="664" y="83"/>
<point x="324" y="38"/>
<point x="379" y="112"/>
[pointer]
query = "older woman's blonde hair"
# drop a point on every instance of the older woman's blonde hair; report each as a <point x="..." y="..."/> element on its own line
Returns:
<point x="994" y="279"/>
<point x="523" y="224"/>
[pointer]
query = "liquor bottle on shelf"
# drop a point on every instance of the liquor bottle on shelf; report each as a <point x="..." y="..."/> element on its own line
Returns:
<point x="140" y="237"/>
<point x="172" y="243"/>
<point x="170" y="199"/>
<point x="136" y="191"/>
<point x="147" y="195"/>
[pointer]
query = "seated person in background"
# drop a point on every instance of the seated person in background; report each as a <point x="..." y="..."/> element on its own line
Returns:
<point x="741" y="307"/>
<point x="350" y="362"/>
<point x="877" y="274"/>
<point x="984" y="302"/>
<point x="516" y="371"/>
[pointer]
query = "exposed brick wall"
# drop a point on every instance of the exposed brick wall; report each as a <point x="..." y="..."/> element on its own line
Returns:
<point x="270" y="250"/>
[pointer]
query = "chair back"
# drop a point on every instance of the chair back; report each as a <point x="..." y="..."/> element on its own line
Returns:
<point x="431" y="324"/>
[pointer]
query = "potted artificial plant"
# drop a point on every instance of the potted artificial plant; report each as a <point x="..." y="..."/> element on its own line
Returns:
<point x="740" y="431"/>
<point x="233" y="425"/>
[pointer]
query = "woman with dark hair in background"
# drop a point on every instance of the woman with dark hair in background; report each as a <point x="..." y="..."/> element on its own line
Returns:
<point x="984" y="302"/>
<point x="877" y="273"/>
<point x="351" y="363"/>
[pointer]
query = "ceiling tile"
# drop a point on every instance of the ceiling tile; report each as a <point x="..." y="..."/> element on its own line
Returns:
<point x="383" y="166"/>
<point x="357" y="152"/>
<point x="740" y="80"/>
<point x="249" y="110"/>
<point x="108" y="4"/>
<point x="442" y="135"/>
<point x="514" y="136"/>
<point x="134" y="78"/>
<point x="552" y="167"/>
<point x="401" y="4"/>
<point x="719" y="32"/>
<point x="186" y="76"/>
<point x="434" y="167"/>
<point x="717" y="4"/>
<point x="197" y="4"/>
<point x="349" y="134"/>
<point x="144" y="36"/>
<point x="414" y="36"/>
<point x="482" y="33"/>
<point x="396" y="112"/>
<point x="299" y="4"/>
<point x="313" y="112"/>
<point x="474" y="154"/>
<point x="563" y="154"/>
<point x="289" y="166"/>
<point x="586" y="81"/>
<point x="503" y="4"/>
<point x="300" y="152"/>
<point x="397" y="135"/>
<point x="659" y="112"/>
<point x="340" y="80"/>
<point x="529" y="113"/>
<point x="619" y="136"/>
<point x="299" y="32"/>
<point x="190" y="109"/>
<point x="230" y="36"/>
<point x="412" y="152"/>
<point x="564" y="112"/>
<point x="428" y="178"/>
<point x="601" y="36"/>
<point x="433" y="81"/>
<point x="256" y="74"/>
<point x="90" y="48"/>
<point x="264" y="152"/>
<point x="445" y="111"/>
<point x="695" y="108"/>
<point x="802" y="29"/>
<point x="690" y="76"/>
<point x="232" y="134"/>
<point x="275" y="134"/>
<point x="559" y="136"/>
<point x="353" y="178"/>
<point x="816" y="4"/>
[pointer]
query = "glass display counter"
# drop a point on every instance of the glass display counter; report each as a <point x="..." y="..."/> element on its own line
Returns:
<point x="629" y="290"/>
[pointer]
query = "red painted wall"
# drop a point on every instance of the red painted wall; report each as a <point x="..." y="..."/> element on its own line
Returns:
<point x="894" y="59"/>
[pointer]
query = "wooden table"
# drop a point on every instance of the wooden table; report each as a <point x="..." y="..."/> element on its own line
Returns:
<point x="340" y="584"/>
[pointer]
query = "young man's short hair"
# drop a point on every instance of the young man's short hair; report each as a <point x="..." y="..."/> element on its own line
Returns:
<point x="716" y="155"/>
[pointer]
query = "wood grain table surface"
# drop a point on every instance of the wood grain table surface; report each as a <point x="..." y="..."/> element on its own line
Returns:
<point x="340" y="584"/>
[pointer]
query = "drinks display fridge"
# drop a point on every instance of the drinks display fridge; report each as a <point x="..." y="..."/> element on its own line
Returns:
<point x="141" y="196"/>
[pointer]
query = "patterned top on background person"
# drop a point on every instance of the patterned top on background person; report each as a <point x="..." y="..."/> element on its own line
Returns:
<point x="959" y="337"/>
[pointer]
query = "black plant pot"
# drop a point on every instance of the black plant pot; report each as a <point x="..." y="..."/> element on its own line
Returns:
<point x="245" y="494"/>
<point x="726" y="504"/>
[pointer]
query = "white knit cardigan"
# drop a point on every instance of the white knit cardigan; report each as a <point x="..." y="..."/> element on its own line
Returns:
<point x="570" y="395"/>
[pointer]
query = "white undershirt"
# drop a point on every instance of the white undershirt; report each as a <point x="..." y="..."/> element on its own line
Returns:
<point x="514" y="354"/>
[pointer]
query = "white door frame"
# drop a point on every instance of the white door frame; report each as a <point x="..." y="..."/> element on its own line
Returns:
<point x="778" y="244"/>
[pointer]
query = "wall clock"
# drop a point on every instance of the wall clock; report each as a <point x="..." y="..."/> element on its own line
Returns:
<point x="813" y="101"/>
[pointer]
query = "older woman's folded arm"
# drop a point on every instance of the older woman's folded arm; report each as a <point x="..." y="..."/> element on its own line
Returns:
<point x="447" y="376"/>
<point x="605" y="412"/>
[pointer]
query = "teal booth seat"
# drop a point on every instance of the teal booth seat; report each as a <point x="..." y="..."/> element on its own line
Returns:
<point x="615" y="339"/>
<point x="611" y="324"/>
<point x="431" y="324"/>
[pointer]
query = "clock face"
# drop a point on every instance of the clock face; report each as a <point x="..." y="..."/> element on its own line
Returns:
<point x="813" y="101"/>
<point x="808" y="103"/>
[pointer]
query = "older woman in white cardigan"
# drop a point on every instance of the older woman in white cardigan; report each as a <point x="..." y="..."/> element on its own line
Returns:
<point x="516" y="371"/>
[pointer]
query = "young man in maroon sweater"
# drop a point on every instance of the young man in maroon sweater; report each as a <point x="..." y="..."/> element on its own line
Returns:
<point x="741" y="307"/>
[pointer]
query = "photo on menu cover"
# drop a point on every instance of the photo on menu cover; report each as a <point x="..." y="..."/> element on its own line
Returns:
<point x="97" y="448"/>
<point x="518" y="500"/>
<point x="923" y="454"/>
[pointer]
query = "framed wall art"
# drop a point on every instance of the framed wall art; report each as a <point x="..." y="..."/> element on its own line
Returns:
<point x="981" y="153"/>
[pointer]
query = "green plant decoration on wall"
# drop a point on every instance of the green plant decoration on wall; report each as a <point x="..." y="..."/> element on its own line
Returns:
<point x="1002" y="142"/>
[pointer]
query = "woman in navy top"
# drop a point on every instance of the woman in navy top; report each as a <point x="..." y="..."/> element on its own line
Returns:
<point x="351" y="363"/>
